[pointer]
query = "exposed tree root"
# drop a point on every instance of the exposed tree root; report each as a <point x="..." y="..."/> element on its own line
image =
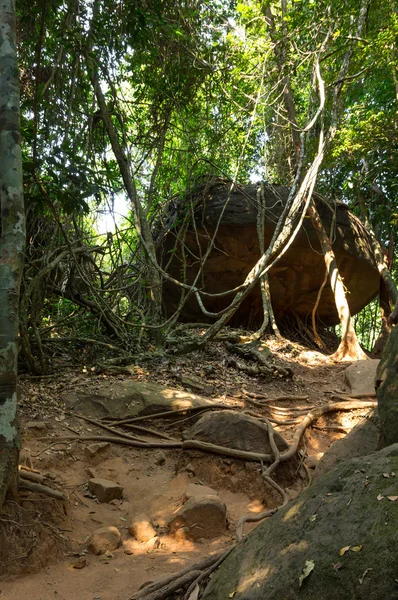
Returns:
<point x="122" y="433"/>
<point x="166" y="413"/>
<point x="41" y="489"/>
<point x="264" y="365"/>
<point x="168" y="585"/>
<point x="343" y="396"/>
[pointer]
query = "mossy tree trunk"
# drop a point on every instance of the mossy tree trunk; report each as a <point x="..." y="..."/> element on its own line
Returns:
<point x="387" y="390"/>
<point x="12" y="241"/>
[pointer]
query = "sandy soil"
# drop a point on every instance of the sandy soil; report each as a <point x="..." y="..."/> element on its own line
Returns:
<point x="150" y="488"/>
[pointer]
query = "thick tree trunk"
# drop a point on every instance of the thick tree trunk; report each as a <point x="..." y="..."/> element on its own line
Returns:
<point x="12" y="239"/>
<point x="349" y="348"/>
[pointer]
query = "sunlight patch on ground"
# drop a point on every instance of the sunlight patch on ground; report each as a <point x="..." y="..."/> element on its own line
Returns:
<point x="299" y="547"/>
<point x="251" y="581"/>
<point x="256" y="506"/>
<point x="292" y="512"/>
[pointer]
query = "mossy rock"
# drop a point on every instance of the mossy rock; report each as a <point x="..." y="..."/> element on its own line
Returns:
<point x="349" y="506"/>
<point x="387" y="389"/>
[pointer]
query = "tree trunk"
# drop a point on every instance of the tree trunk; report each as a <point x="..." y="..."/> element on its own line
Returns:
<point x="140" y="220"/>
<point x="12" y="240"/>
<point x="349" y="348"/>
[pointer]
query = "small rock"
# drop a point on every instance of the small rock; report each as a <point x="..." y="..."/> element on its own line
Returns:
<point x="152" y="544"/>
<point x="313" y="460"/>
<point x="360" y="376"/>
<point x="204" y="518"/>
<point x="159" y="458"/>
<point x="94" y="449"/>
<point x="181" y="534"/>
<point x="292" y="494"/>
<point x="105" y="539"/>
<point x="35" y="425"/>
<point x="189" y="468"/>
<point x="197" y="385"/>
<point x="80" y="563"/>
<point x="91" y="473"/>
<point x="141" y="528"/>
<point x="197" y="492"/>
<point x="104" y="489"/>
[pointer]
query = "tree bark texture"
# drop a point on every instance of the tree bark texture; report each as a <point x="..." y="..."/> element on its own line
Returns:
<point x="140" y="220"/>
<point x="349" y="347"/>
<point x="12" y="240"/>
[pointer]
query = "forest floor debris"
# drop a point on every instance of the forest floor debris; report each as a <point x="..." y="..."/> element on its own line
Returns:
<point x="157" y="485"/>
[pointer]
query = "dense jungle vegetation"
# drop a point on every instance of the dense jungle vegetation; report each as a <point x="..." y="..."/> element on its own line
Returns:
<point x="126" y="106"/>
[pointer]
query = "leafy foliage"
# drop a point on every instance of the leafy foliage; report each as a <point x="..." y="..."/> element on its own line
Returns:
<point x="193" y="90"/>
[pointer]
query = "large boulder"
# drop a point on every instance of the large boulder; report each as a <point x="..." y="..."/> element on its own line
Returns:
<point x="124" y="399"/>
<point x="344" y="527"/>
<point x="361" y="375"/>
<point x="362" y="440"/>
<point x="296" y="278"/>
<point x="387" y="390"/>
<point x="234" y="430"/>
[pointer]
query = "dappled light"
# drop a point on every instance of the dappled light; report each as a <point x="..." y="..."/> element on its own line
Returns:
<point x="198" y="300"/>
<point x="251" y="582"/>
<point x="293" y="512"/>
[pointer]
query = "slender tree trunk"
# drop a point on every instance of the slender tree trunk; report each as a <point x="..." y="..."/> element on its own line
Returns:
<point x="349" y="348"/>
<point x="12" y="240"/>
<point x="140" y="220"/>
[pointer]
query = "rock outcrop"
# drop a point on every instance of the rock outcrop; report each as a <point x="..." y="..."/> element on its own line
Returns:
<point x="125" y="399"/>
<point x="235" y="430"/>
<point x="296" y="278"/>
<point x="387" y="389"/>
<point x="342" y="532"/>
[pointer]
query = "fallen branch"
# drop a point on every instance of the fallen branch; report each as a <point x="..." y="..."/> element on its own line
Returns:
<point x="41" y="489"/>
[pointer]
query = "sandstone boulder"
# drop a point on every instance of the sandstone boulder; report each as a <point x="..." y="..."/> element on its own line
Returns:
<point x="200" y="518"/>
<point x="105" y="490"/>
<point x="234" y="430"/>
<point x="297" y="276"/>
<point x="354" y="508"/>
<point x="105" y="539"/>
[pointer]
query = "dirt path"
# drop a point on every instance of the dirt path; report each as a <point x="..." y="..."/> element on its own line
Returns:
<point x="152" y="486"/>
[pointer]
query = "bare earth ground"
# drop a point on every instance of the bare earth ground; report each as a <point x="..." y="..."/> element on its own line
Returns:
<point x="149" y="488"/>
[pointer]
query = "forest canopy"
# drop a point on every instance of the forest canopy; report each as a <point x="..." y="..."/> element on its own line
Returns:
<point x="136" y="103"/>
<point x="135" y="136"/>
